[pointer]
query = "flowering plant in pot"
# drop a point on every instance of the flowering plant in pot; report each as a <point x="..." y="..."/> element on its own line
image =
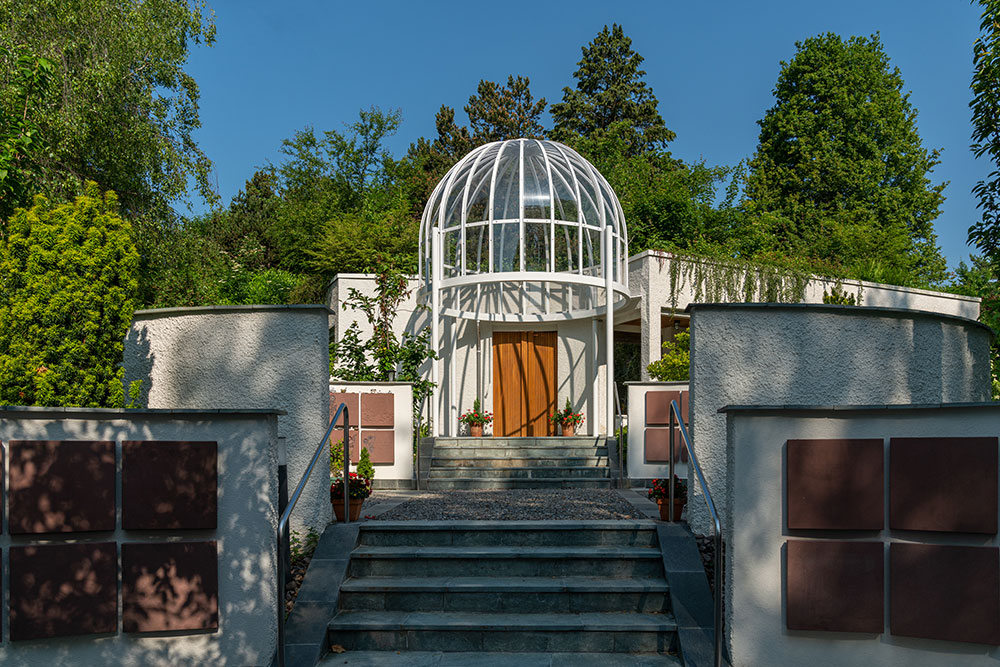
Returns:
<point x="567" y="419"/>
<point x="476" y="419"/>
<point x="660" y="492"/>
<point x="358" y="488"/>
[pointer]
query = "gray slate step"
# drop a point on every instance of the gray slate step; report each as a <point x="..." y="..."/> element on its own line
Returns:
<point x="481" y="659"/>
<point x="516" y="595"/>
<point x="504" y="561"/>
<point x="518" y="473"/>
<point x="634" y="533"/>
<point x="496" y="452"/>
<point x="460" y="483"/>
<point x="465" y="631"/>
<point x="530" y="462"/>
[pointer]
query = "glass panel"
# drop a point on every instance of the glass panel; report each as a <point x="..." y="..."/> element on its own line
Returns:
<point x="536" y="246"/>
<point x="592" y="252"/>
<point x="589" y="201"/>
<point x="536" y="183"/>
<point x="565" y="198"/>
<point x="566" y="247"/>
<point x="506" y="198"/>
<point x="506" y="250"/>
<point x="451" y="247"/>
<point x="477" y="249"/>
<point x="453" y="215"/>
<point x="479" y="192"/>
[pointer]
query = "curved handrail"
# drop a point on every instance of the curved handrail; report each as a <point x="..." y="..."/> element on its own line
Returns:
<point x="675" y="411"/>
<point x="286" y="515"/>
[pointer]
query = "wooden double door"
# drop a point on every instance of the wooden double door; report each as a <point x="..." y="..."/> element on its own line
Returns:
<point x="524" y="383"/>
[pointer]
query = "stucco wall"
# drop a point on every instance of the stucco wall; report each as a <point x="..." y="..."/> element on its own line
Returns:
<point x="773" y="354"/>
<point x="755" y="570"/>
<point x="649" y="278"/>
<point x="240" y="357"/>
<point x="247" y="520"/>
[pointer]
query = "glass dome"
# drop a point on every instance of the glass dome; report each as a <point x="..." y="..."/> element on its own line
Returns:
<point x="524" y="212"/>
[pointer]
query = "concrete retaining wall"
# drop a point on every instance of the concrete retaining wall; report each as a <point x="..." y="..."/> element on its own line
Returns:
<point x="774" y="354"/>
<point x="241" y="357"/>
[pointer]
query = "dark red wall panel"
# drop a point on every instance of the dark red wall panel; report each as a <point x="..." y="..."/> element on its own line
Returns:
<point x="378" y="410"/>
<point x="169" y="485"/>
<point x="835" y="484"/>
<point x="834" y="586"/>
<point x="169" y="587"/>
<point x="943" y="484"/>
<point x="58" y="590"/>
<point x="353" y="413"/>
<point x="59" y="486"/>
<point x="945" y="592"/>
<point x="380" y="445"/>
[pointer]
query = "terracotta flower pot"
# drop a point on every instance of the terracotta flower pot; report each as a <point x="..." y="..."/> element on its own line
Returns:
<point x="338" y="508"/>
<point x="665" y="514"/>
<point x="476" y="430"/>
<point x="568" y="430"/>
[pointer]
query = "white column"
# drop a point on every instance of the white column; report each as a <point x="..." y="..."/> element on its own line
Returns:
<point x="436" y="327"/>
<point x="609" y="329"/>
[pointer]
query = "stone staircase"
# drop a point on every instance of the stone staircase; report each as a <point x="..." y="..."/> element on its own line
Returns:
<point x="519" y="463"/>
<point x="592" y="589"/>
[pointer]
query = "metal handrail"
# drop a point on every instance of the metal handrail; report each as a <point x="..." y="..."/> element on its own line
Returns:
<point x="286" y="515"/>
<point x="719" y="559"/>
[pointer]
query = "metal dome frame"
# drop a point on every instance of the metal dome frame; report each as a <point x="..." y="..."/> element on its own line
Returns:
<point x="570" y="232"/>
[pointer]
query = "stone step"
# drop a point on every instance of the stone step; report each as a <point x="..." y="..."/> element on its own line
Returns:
<point x="466" y="631"/>
<point x="505" y="561"/>
<point x="495" y="659"/>
<point x="633" y="533"/>
<point x="492" y="452"/>
<point x="460" y="483"/>
<point x="529" y="462"/>
<point x="488" y="441"/>
<point x="518" y="473"/>
<point x="515" y="595"/>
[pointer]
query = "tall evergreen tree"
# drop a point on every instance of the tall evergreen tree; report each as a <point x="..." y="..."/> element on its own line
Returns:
<point x="504" y="112"/>
<point x="610" y="90"/>
<point x="840" y="162"/>
<point x="985" y="105"/>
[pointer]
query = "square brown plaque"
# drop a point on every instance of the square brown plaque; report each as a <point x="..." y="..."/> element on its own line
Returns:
<point x="353" y="413"/>
<point x="58" y="590"/>
<point x="338" y="441"/>
<point x="169" y="485"/>
<point x="658" y="407"/>
<point x="378" y="410"/>
<point x="943" y="484"/>
<point x="834" y="586"/>
<point x="61" y="486"/>
<point x="381" y="445"/>
<point x="945" y="592"/>
<point x="657" y="445"/>
<point x="172" y="586"/>
<point x="835" y="484"/>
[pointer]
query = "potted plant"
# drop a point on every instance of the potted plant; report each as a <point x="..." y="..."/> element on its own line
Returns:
<point x="567" y="420"/>
<point x="660" y="492"/>
<point x="359" y="484"/>
<point x="476" y="419"/>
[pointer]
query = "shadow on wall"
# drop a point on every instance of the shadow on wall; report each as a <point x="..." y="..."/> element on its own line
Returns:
<point x="138" y="366"/>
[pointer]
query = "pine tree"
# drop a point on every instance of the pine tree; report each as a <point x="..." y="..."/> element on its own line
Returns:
<point x="504" y="112"/>
<point x="609" y="91"/>
<point x="840" y="162"/>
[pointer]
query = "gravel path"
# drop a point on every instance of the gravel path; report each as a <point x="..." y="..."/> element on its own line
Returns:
<point x="505" y="505"/>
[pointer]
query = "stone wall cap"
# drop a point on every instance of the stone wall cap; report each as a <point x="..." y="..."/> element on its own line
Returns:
<point x="657" y="383"/>
<point x="83" y="412"/>
<point x="343" y="383"/>
<point x="838" y="309"/>
<point x="993" y="405"/>
<point x="205" y="310"/>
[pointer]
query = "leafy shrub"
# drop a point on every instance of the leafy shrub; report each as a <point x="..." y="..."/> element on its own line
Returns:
<point x="675" y="364"/>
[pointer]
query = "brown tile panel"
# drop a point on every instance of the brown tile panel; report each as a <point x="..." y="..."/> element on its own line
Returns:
<point x="658" y="406"/>
<point x="63" y="589"/>
<point x="381" y="445"/>
<point x="657" y="445"/>
<point x="355" y="449"/>
<point x="835" y="484"/>
<point x="834" y="586"/>
<point x="60" y="486"/>
<point x="944" y="592"/>
<point x="943" y="484"/>
<point x="169" y="485"/>
<point x="378" y="410"/>
<point x="168" y="587"/>
<point x="336" y="398"/>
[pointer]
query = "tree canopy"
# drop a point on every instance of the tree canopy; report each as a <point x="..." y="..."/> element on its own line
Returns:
<point x="610" y="90"/>
<point x="120" y="110"/>
<point x="985" y="105"/>
<point x="840" y="162"/>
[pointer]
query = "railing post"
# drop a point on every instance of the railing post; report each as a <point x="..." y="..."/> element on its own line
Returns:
<point x="347" y="464"/>
<point x="670" y="463"/>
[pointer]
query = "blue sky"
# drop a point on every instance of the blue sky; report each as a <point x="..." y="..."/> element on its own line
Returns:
<point x="278" y="67"/>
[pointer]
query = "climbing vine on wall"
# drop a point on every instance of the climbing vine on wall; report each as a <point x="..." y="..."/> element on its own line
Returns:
<point x="714" y="280"/>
